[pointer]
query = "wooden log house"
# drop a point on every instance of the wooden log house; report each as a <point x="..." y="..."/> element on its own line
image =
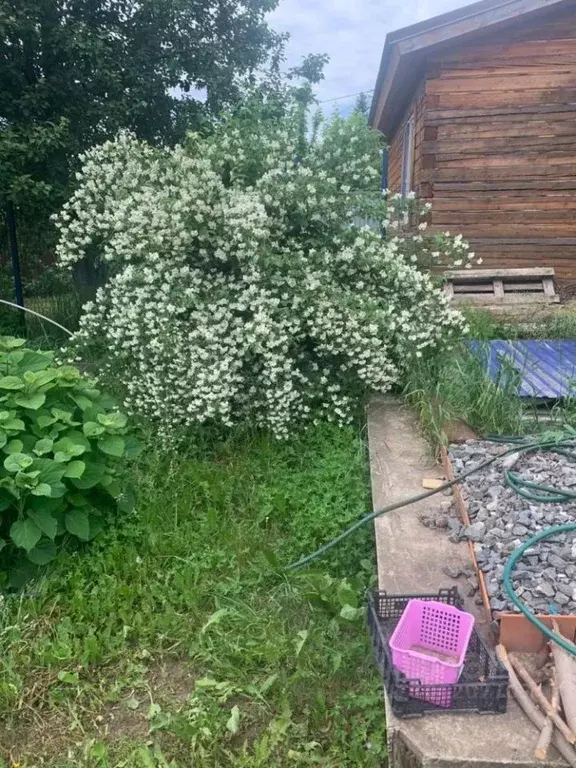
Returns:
<point x="479" y="108"/>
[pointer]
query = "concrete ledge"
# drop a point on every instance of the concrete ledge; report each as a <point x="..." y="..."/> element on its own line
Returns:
<point x="410" y="560"/>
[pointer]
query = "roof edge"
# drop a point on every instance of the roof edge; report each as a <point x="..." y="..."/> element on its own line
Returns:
<point x="495" y="11"/>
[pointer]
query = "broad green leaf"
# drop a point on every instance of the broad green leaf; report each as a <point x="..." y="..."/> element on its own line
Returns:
<point x="14" y="446"/>
<point x="9" y="485"/>
<point x="112" y="486"/>
<point x="25" y="534"/>
<point x="40" y="504"/>
<point x="92" y="429"/>
<point x="26" y="479"/>
<point x="42" y="489"/>
<point x="5" y="502"/>
<point x="346" y="595"/>
<point x="113" y="445"/>
<point x="36" y="361"/>
<point x="61" y="415"/>
<point x="14" y="425"/>
<point x="50" y="471"/>
<point x="93" y="474"/>
<point x="82" y="402"/>
<point x="45" y="521"/>
<point x="350" y="613"/>
<point x="17" y="462"/>
<point x="45" y="421"/>
<point x="75" y="469"/>
<point x="70" y="446"/>
<point x="31" y="401"/>
<point x="46" y="377"/>
<point x="77" y="499"/>
<point x="44" y="552"/>
<point x="133" y="447"/>
<point x="234" y="719"/>
<point x="43" y="446"/>
<point x="77" y="523"/>
<point x="11" y="342"/>
<point x="57" y="490"/>
<point x="95" y="526"/>
<point x="3" y="543"/>
<point x="11" y="382"/>
<point x="3" y="439"/>
<point x="113" y="420"/>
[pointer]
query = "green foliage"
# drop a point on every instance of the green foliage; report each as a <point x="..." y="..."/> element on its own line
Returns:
<point x="445" y="388"/>
<point x="74" y="73"/>
<point x="182" y="625"/>
<point x="62" y="441"/>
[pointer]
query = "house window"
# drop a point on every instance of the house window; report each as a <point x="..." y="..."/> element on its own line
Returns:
<point x="407" y="157"/>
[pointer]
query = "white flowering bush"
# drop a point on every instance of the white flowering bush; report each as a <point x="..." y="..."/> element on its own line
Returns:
<point x="239" y="287"/>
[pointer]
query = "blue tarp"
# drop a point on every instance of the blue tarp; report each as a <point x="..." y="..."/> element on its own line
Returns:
<point x="544" y="368"/>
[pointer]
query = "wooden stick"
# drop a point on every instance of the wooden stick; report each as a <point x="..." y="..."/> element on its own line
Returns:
<point x="540" y="699"/>
<point x="566" y="675"/>
<point x="541" y="751"/>
<point x="532" y="711"/>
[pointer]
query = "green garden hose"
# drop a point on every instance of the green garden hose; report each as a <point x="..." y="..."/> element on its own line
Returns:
<point x="519" y="447"/>
<point x="509" y="567"/>
<point x="536" y="491"/>
<point x="525" y="488"/>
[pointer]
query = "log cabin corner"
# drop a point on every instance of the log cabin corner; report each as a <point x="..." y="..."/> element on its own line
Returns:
<point x="479" y="109"/>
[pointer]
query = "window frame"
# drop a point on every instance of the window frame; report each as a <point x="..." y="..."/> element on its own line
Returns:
<point x="407" y="178"/>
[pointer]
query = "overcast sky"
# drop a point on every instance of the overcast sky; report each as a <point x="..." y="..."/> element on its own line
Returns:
<point x="352" y="33"/>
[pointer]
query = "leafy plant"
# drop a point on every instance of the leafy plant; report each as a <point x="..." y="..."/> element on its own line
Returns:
<point x="62" y="442"/>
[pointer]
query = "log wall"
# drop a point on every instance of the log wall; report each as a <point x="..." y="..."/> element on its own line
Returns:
<point x="497" y="154"/>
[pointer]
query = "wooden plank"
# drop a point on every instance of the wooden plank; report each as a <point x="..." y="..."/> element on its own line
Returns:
<point x="539" y="218"/>
<point x="495" y="99"/>
<point x="498" y="173"/>
<point x="490" y="145"/>
<point x="530" y="286"/>
<point x="520" y="298"/>
<point x="464" y="187"/>
<point x="456" y="131"/>
<point x="548" y="285"/>
<point x="526" y="201"/>
<point x="475" y="274"/>
<point x="498" y="288"/>
<point x="436" y="116"/>
<point x="477" y="288"/>
<point x="501" y="82"/>
<point x="475" y="70"/>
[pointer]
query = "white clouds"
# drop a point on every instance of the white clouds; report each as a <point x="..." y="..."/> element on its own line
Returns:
<point x="352" y="32"/>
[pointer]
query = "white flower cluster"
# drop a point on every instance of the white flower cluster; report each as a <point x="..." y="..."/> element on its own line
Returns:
<point x="238" y="287"/>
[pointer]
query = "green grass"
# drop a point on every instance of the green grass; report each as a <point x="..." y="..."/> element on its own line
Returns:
<point x="453" y="386"/>
<point x="179" y="640"/>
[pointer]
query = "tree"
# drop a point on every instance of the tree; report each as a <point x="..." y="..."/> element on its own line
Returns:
<point x="74" y="72"/>
<point x="239" y="287"/>
<point x="362" y="105"/>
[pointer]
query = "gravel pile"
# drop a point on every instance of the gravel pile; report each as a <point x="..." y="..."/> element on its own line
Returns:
<point x="501" y="520"/>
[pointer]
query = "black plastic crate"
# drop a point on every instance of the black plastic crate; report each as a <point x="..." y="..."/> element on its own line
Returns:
<point x="483" y="684"/>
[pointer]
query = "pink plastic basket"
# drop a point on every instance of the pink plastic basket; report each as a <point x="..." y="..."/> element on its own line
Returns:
<point x="429" y="626"/>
